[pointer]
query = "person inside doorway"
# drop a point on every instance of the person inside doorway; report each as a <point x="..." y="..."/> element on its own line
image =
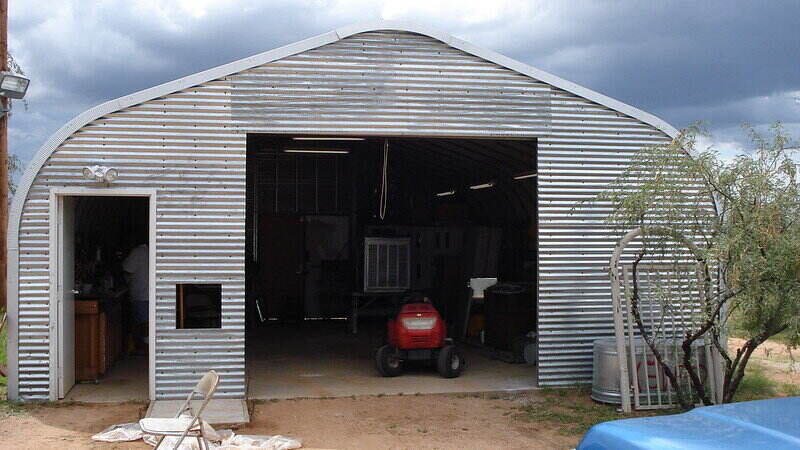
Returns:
<point x="137" y="274"/>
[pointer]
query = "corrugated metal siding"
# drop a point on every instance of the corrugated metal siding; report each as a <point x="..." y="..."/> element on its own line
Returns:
<point x="197" y="165"/>
<point x="389" y="83"/>
<point x="190" y="145"/>
<point x="34" y="297"/>
<point x="590" y="145"/>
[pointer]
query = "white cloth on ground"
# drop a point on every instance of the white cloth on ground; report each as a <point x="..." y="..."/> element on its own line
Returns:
<point x="220" y="439"/>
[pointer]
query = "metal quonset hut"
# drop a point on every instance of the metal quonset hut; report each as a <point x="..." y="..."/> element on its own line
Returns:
<point x="182" y="147"/>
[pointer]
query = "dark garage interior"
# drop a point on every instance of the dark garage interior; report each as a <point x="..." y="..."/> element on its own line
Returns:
<point x="110" y="344"/>
<point x="342" y="230"/>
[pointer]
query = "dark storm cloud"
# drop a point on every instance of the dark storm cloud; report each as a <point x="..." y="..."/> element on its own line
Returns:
<point x="81" y="57"/>
<point x="123" y="51"/>
<point x="667" y="57"/>
<point x="723" y="62"/>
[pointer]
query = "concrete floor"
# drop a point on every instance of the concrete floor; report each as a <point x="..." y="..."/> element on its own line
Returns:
<point x="320" y="359"/>
<point x="126" y="381"/>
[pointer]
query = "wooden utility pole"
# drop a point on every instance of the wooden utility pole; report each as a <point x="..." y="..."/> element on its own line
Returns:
<point x="3" y="158"/>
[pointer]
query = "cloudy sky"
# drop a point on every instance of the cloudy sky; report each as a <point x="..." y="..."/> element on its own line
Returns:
<point x="723" y="62"/>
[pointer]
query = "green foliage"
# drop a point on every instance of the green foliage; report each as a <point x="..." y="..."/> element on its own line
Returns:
<point x="5" y="407"/>
<point x="3" y="358"/>
<point x="791" y="390"/>
<point x="8" y="408"/>
<point x="14" y="167"/>
<point x="570" y="410"/>
<point x="756" y="385"/>
<point x="742" y="213"/>
<point x="13" y="163"/>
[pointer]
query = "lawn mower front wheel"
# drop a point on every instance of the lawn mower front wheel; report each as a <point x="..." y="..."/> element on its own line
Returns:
<point x="449" y="363"/>
<point x="388" y="362"/>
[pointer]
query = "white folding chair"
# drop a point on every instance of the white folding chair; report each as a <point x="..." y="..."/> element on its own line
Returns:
<point x="184" y="426"/>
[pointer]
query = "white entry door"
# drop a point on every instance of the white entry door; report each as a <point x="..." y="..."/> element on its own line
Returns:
<point x="66" y="294"/>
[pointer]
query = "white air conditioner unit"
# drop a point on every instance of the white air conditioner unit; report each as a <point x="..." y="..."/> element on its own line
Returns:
<point x="387" y="263"/>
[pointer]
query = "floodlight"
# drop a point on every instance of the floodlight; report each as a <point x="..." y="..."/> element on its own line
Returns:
<point x="88" y="173"/>
<point x="13" y="85"/>
<point x="100" y="173"/>
<point x="111" y="175"/>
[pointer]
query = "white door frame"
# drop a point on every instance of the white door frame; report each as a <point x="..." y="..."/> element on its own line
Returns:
<point x="55" y="268"/>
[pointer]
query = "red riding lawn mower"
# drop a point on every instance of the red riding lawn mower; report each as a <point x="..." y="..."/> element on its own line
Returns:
<point x="418" y="333"/>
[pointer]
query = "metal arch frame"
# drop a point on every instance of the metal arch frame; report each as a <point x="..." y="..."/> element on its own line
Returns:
<point x="616" y="302"/>
<point x="74" y="125"/>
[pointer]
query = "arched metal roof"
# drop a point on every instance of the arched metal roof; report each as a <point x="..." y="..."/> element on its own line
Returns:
<point x="263" y="58"/>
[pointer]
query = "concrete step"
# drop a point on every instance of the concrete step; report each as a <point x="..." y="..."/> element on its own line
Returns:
<point x="222" y="411"/>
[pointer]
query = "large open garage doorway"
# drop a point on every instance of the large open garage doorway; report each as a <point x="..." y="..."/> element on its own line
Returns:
<point x="342" y="231"/>
<point x="102" y="261"/>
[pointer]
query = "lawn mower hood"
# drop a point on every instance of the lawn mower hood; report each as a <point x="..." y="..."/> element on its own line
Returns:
<point x="417" y="326"/>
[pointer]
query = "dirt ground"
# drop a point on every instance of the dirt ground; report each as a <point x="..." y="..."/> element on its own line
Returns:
<point x="542" y="419"/>
<point x="420" y="421"/>
<point x="781" y="363"/>
<point x="383" y="422"/>
<point x="63" y="425"/>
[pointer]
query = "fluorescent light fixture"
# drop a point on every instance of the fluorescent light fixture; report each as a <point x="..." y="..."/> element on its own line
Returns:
<point x="327" y="151"/>
<point x="13" y="85"/>
<point x="445" y="194"/>
<point x="523" y="176"/>
<point x="482" y="186"/>
<point x="328" y="138"/>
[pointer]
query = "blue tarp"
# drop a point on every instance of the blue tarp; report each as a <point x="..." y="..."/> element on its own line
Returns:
<point x="761" y="424"/>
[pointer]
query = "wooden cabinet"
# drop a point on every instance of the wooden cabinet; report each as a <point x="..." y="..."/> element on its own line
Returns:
<point x="98" y="338"/>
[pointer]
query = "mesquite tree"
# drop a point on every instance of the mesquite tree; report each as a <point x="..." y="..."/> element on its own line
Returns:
<point x="742" y="216"/>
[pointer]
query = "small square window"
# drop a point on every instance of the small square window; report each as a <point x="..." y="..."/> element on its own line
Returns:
<point x="198" y="306"/>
